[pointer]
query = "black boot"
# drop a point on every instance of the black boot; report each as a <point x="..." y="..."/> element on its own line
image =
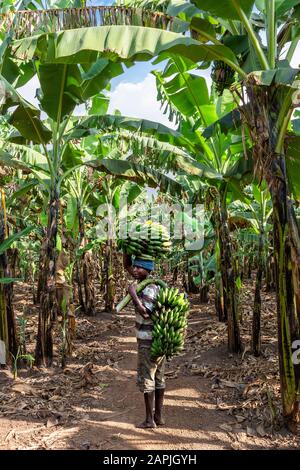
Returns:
<point x="159" y="401"/>
<point x="149" y="402"/>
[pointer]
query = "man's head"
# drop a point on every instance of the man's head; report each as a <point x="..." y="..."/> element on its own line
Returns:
<point x="141" y="269"/>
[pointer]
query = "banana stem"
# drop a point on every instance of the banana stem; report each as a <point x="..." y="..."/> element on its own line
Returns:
<point x="139" y="288"/>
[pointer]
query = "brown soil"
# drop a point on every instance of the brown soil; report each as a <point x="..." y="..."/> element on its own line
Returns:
<point x="213" y="400"/>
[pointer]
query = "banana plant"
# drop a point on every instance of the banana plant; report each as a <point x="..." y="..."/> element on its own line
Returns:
<point x="228" y="32"/>
<point x="8" y="331"/>
<point x="257" y="210"/>
<point x="79" y="191"/>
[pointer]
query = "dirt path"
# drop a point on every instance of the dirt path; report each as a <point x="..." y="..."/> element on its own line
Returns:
<point x="212" y="399"/>
<point x="192" y="423"/>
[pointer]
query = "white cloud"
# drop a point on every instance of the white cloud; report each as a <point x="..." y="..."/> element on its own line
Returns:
<point x="138" y="100"/>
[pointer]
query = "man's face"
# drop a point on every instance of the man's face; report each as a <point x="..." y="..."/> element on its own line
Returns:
<point x="139" y="273"/>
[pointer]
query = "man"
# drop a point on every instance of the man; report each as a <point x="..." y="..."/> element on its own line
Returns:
<point x="150" y="373"/>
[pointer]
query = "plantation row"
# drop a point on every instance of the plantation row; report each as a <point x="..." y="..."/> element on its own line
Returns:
<point x="235" y="150"/>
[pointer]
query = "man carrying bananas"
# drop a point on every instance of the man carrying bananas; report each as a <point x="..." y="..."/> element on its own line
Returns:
<point x="150" y="373"/>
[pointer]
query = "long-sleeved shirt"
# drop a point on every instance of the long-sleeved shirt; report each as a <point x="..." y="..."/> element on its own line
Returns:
<point x="143" y="325"/>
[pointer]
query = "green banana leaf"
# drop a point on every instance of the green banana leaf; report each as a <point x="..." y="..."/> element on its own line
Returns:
<point x="187" y="92"/>
<point x="229" y="122"/>
<point x="23" y="189"/>
<point x="13" y="238"/>
<point x="173" y="158"/>
<point x="225" y="8"/>
<point x="95" y="124"/>
<point x="25" y="118"/>
<point x="115" y="42"/>
<point x="9" y="280"/>
<point x="60" y="89"/>
<point x="293" y="164"/>
<point x="139" y="174"/>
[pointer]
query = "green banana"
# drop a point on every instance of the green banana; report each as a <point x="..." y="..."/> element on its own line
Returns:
<point x="170" y="322"/>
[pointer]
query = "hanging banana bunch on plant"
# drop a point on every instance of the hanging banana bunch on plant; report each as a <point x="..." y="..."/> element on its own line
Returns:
<point x="149" y="242"/>
<point x="222" y="75"/>
<point x="169" y="323"/>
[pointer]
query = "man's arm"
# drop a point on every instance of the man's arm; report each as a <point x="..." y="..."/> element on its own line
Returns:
<point x="139" y="306"/>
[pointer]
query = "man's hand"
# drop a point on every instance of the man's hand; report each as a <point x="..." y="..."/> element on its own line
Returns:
<point x="142" y="311"/>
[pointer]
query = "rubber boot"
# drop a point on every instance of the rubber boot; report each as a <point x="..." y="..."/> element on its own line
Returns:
<point x="149" y="402"/>
<point x="159" y="401"/>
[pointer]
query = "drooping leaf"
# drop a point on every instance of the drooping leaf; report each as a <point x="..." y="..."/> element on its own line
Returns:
<point x="184" y="92"/>
<point x="97" y="77"/>
<point x="71" y="214"/>
<point x="7" y="160"/>
<point x="225" y="8"/>
<point x="139" y="174"/>
<point x="173" y="158"/>
<point x="100" y="104"/>
<point x="61" y="90"/>
<point x="93" y="125"/>
<point x="230" y="121"/>
<point x="26" y="155"/>
<point x="204" y="29"/>
<point x="182" y="8"/>
<point x="25" y="118"/>
<point x="113" y="42"/>
<point x="24" y="189"/>
<point x="282" y="6"/>
<point x="71" y="157"/>
<point x="9" y="280"/>
<point x="13" y="238"/>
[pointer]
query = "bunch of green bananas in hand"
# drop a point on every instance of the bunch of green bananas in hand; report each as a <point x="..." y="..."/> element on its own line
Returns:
<point x="149" y="241"/>
<point x="169" y="323"/>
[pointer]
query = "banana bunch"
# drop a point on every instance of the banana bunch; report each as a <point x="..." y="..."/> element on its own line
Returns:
<point x="169" y="323"/>
<point x="222" y="75"/>
<point x="151" y="240"/>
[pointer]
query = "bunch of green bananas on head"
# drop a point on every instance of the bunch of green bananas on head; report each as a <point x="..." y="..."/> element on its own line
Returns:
<point x="150" y="240"/>
<point x="169" y="323"/>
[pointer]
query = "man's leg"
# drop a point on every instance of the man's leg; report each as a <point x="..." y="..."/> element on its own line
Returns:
<point x="159" y="391"/>
<point x="146" y="383"/>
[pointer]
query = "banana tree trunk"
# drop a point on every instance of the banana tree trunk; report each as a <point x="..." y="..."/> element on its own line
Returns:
<point x="287" y="257"/>
<point x="89" y="284"/>
<point x="175" y="274"/>
<point x="204" y="294"/>
<point x="219" y="300"/>
<point x="256" y="331"/>
<point x="270" y="274"/>
<point x="110" y="290"/>
<point x="42" y="271"/>
<point x="4" y="342"/>
<point x="85" y="274"/>
<point x="228" y="275"/>
<point x="48" y="300"/>
<point x="13" y="259"/>
<point x="8" y="330"/>
<point x="219" y="291"/>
